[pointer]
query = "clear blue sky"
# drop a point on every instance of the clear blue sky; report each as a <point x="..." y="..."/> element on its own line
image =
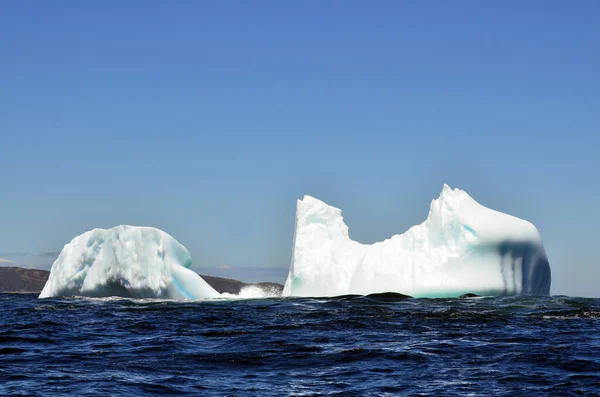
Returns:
<point x="209" y="119"/>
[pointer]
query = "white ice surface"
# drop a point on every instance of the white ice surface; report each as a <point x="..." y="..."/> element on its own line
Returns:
<point x="126" y="261"/>
<point x="462" y="247"/>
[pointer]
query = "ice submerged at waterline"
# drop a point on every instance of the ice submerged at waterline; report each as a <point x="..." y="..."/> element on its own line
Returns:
<point x="462" y="247"/>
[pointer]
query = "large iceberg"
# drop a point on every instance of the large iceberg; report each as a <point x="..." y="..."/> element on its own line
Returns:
<point x="462" y="247"/>
<point x="126" y="261"/>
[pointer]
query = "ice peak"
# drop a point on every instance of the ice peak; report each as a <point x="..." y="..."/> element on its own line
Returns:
<point x="448" y="194"/>
<point x="311" y="199"/>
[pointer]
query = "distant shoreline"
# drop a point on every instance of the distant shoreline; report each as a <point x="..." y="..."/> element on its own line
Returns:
<point x="18" y="280"/>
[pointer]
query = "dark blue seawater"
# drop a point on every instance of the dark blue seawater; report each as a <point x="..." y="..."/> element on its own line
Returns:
<point x="376" y="345"/>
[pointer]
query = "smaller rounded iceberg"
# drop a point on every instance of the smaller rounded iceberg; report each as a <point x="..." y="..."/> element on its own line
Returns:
<point x="126" y="261"/>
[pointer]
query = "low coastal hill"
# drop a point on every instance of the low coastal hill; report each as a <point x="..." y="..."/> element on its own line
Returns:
<point x="20" y="280"/>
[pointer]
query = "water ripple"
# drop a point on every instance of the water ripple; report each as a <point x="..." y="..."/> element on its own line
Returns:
<point x="383" y="344"/>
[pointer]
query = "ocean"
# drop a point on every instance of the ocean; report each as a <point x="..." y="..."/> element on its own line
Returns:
<point x="346" y="346"/>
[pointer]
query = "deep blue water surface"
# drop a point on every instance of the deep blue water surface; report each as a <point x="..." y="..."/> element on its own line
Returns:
<point x="376" y="345"/>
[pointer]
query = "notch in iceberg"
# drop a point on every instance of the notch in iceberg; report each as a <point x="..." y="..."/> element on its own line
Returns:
<point x="462" y="247"/>
<point x="126" y="261"/>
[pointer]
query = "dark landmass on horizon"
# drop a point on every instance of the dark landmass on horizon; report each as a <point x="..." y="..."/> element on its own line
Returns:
<point x="31" y="281"/>
<point x="20" y="280"/>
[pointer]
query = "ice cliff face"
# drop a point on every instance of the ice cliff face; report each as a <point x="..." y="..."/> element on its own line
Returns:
<point x="462" y="247"/>
<point x="126" y="261"/>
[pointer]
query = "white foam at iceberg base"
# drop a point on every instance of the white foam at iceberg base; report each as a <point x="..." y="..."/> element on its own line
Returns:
<point x="126" y="261"/>
<point x="462" y="247"/>
<point x="254" y="292"/>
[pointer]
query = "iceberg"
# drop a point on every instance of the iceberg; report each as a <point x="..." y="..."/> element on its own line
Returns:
<point x="126" y="261"/>
<point x="462" y="247"/>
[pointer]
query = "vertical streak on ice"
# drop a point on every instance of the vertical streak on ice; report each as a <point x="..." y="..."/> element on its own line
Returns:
<point x="517" y="264"/>
<point x="518" y="277"/>
<point x="509" y="275"/>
